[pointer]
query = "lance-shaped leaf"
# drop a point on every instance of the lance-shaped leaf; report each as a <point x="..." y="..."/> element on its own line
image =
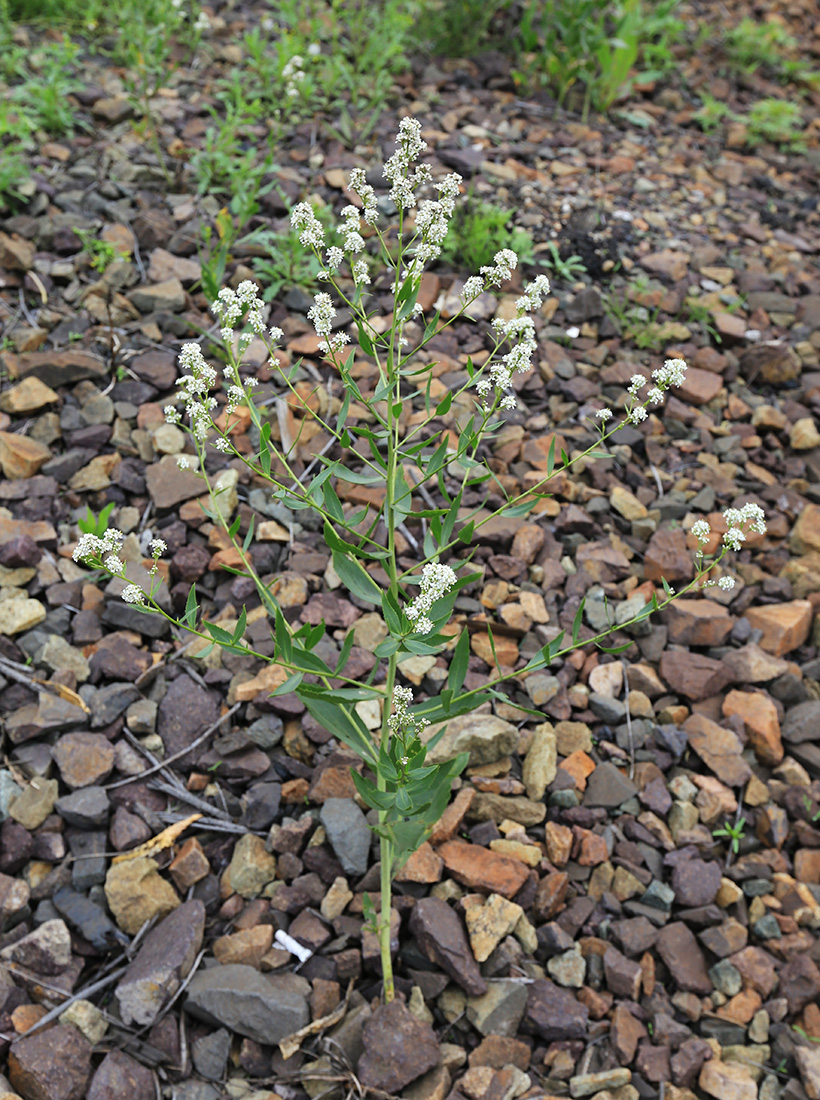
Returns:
<point x="356" y="578"/>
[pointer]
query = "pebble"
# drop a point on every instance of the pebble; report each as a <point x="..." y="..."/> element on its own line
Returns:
<point x="262" y="1007"/>
<point x="135" y="893"/>
<point x="348" y="833"/>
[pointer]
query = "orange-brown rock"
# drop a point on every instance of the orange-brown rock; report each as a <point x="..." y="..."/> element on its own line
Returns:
<point x="807" y="865"/>
<point x="699" y="386"/>
<point x="482" y="869"/>
<point x="759" y="715"/>
<point x="247" y="947"/>
<point x="719" y="748"/>
<point x="698" y="622"/>
<point x="424" y="865"/>
<point x="806" y="532"/>
<point x="506" y="649"/>
<point x="559" y="840"/>
<point x="450" y="821"/>
<point x="579" y="765"/>
<point x="785" y="626"/>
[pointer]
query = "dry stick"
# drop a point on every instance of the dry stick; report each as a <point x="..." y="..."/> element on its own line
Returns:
<point x="81" y="994"/>
<point x="629" y="732"/>
<point x="159" y="765"/>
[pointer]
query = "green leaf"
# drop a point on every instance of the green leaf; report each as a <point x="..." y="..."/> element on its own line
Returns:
<point x="337" y="720"/>
<point x="387" y="648"/>
<point x="365" y="343"/>
<point x="376" y="799"/>
<point x="459" y="663"/>
<point x="614" y="649"/>
<point x="191" y="608"/>
<point x="290" y="685"/>
<point x="551" y="457"/>
<point x="444" y="405"/>
<point x="241" y="623"/>
<point x="578" y="621"/>
<point x="249" y="537"/>
<point x="282" y="641"/>
<point x="521" y="509"/>
<point x="356" y="578"/>
<point x="466" y="533"/>
<point x="391" y="612"/>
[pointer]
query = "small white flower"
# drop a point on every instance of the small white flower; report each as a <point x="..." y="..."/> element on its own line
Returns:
<point x="672" y="373"/>
<point x="158" y="547"/>
<point x="726" y="583"/>
<point x="507" y="402"/>
<point x="322" y="313"/>
<point x="636" y="384"/>
<point x="636" y="415"/>
<point x="221" y="444"/>
<point x="113" y="564"/>
<point x="183" y="463"/>
<point x="604" y="414"/>
<point x="132" y="593"/>
<point x="276" y="334"/>
<point x="733" y="538"/>
<point x="656" y="396"/>
<point x="701" y="530"/>
<point x="303" y="218"/>
<point x="436" y="581"/>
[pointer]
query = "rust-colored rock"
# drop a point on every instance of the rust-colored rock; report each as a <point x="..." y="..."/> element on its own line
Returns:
<point x="719" y="748"/>
<point x="759" y="715"/>
<point x="52" y="1064"/>
<point x="482" y="869"/>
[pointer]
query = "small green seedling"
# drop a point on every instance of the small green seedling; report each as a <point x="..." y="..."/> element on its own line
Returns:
<point x="734" y="833"/>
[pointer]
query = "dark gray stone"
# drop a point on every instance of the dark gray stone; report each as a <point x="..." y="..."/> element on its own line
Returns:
<point x="439" y="933"/>
<point x="607" y="787"/>
<point x="210" y="1054"/>
<point x="554" y="1013"/>
<point x="86" y="808"/>
<point x="261" y="1007"/>
<point x="88" y="920"/>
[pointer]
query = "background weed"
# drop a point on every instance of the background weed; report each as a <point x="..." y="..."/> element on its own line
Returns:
<point x="480" y="229"/>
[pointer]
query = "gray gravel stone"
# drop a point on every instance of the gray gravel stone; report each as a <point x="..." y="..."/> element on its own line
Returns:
<point x="86" y="808"/>
<point x="261" y="1007"/>
<point x="348" y="833"/>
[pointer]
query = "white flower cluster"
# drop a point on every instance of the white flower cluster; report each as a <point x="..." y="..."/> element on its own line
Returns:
<point x="303" y="218"/>
<point x="738" y="520"/>
<point x="518" y="360"/>
<point x="92" y="547"/>
<point x="436" y="581"/>
<point x="195" y="383"/>
<point x="132" y="593"/>
<point x="432" y="224"/>
<point x="672" y="373"/>
<point x="231" y="305"/>
<point x="321" y="313"/>
<point x="362" y="189"/>
<point x="293" y="75"/>
<point x="409" y="147"/>
<point x="400" y="721"/>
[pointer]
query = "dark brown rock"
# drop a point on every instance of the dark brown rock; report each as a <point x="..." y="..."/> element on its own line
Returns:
<point x="120" y="1077"/>
<point x="52" y="1064"/>
<point x="684" y="959"/>
<point x="398" y="1048"/>
<point x="623" y="976"/>
<point x="696" y="882"/>
<point x="555" y="1013"/>
<point x="799" y="983"/>
<point x="186" y="711"/>
<point x="693" y="674"/>
<point x="441" y="936"/>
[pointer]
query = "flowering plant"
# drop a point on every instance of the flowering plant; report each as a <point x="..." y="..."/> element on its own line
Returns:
<point x="405" y="457"/>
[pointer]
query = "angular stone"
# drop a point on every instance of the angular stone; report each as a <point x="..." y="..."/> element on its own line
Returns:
<point x="785" y="626"/>
<point x="500" y="1010"/>
<point x="84" y="759"/>
<point x="398" y="1048"/>
<point x="135" y="893"/>
<point x="27" y="396"/>
<point x="727" y="1081"/>
<point x="668" y="557"/>
<point x="752" y="665"/>
<point x="17" y="616"/>
<point x="772" y="362"/>
<point x="802" y="723"/>
<point x="808" y="1066"/>
<point x="684" y="959"/>
<point x="186" y="711"/>
<point x="608" y="787"/>
<point x="481" y="869"/>
<point x="249" y="946"/>
<point x="21" y="456"/>
<point x="623" y="976"/>
<point x="719" y="748"/>
<point x="56" y="368"/>
<point x="265" y="1008"/>
<point x="440" y="934"/>
<point x="52" y="1064"/>
<point x="585" y="1084"/>
<point x="46" y="950"/>
<point x="759" y="716"/>
<point x="484" y="736"/>
<point x="693" y="674"/>
<point x="161" y="964"/>
<point x="540" y="764"/>
<point x="696" y="882"/>
<point x="252" y="867"/>
<point x="489" y="922"/>
<point x="554" y="1013"/>
<point x="625" y="1033"/>
<point x="168" y="485"/>
<point x="165" y="296"/>
<point x="667" y="263"/>
<point x="121" y="1077"/>
<point x="698" y="622"/>
<point x="348" y="833"/>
